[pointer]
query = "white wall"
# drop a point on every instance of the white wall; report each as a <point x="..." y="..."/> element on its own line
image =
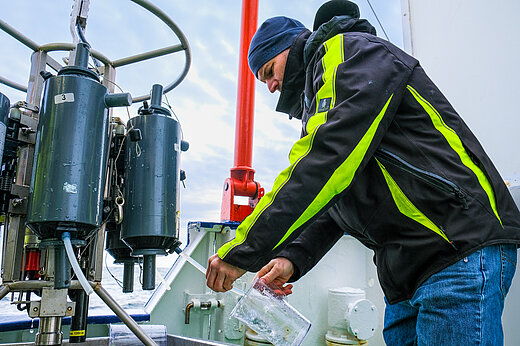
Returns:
<point x="471" y="49"/>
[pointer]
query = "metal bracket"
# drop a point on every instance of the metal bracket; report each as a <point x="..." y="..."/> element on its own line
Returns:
<point x="26" y="105"/>
<point x="53" y="303"/>
<point x="27" y="132"/>
<point x="18" y="205"/>
<point x="35" y="309"/>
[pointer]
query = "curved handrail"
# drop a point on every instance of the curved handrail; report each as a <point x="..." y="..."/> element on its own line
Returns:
<point x="18" y="35"/>
<point x="167" y="20"/>
<point x="13" y="85"/>
<point x="184" y="45"/>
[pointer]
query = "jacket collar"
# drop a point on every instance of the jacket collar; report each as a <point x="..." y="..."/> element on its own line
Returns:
<point x="336" y="25"/>
<point x="293" y="79"/>
<point x="300" y="53"/>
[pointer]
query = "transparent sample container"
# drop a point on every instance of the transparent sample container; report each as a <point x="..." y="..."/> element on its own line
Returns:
<point x="121" y="335"/>
<point x="271" y="316"/>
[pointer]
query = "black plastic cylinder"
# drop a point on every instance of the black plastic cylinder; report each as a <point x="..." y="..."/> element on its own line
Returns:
<point x="78" y="324"/>
<point x="121" y="254"/>
<point x="150" y="222"/>
<point x="156" y="97"/>
<point x="149" y="272"/>
<point x="71" y="151"/>
<point x="62" y="269"/>
<point x="82" y="54"/>
<point x="128" y="277"/>
<point x="4" y="115"/>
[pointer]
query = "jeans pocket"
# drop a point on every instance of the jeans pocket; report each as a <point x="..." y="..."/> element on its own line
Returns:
<point x="508" y="259"/>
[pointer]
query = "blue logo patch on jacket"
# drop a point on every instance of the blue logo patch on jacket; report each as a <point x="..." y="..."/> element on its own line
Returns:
<point x="324" y="104"/>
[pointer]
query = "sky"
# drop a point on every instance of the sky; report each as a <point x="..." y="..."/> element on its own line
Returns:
<point x="205" y="102"/>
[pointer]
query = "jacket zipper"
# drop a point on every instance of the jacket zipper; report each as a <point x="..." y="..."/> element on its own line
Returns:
<point x="430" y="178"/>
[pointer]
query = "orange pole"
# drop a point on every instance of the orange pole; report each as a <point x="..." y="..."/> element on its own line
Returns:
<point x="241" y="182"/>
<point x="246" y="89"/>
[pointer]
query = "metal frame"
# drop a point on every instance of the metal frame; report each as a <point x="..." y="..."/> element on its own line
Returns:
<point x="13" y="254"/>
<point x="13" y="243"/>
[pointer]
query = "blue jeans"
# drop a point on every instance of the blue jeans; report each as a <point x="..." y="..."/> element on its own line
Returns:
<point x="460" y="305"/>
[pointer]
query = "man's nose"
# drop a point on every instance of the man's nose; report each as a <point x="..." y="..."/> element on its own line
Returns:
<point x="271" y="85"/>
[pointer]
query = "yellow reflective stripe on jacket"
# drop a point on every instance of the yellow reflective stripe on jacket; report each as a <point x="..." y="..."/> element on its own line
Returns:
<point x="299" y="150"/>
<point x="406" y="207"/>
<point x="342" y="176"/>
<point x="330" y="61"/>
<point x="456" y="144"/>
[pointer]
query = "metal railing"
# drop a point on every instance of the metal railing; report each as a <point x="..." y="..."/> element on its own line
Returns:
<point x="182" y="46"/>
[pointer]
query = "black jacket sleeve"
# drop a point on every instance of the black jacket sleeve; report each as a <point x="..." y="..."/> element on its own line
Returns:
<point x="311" y="245"/>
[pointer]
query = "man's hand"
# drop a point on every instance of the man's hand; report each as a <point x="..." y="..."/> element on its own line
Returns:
<point x="278" y="271"/>
<point x="221" y="275"/>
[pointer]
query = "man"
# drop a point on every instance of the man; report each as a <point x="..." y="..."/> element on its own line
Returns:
<point x="385" y="158"/>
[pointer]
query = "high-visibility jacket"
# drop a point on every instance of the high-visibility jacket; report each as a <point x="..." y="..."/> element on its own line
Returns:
<point x="384" y="157"/>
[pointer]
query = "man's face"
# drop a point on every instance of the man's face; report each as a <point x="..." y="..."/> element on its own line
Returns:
<point x="272" y="71"/>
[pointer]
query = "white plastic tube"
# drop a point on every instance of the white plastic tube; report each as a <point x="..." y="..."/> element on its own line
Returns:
<point x="74" y="263"/>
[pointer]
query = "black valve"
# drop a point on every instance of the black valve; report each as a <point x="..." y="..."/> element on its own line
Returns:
<point x="184" y="145"/>
<point x="135" y="135"/>
<point x="45" y="75"/>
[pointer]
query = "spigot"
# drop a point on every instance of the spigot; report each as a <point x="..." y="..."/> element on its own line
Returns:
<point x="187" y="312"/>
<point x="200" y="305"/>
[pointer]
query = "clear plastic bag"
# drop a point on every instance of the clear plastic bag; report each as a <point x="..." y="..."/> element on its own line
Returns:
<point x="271" y="316"/>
